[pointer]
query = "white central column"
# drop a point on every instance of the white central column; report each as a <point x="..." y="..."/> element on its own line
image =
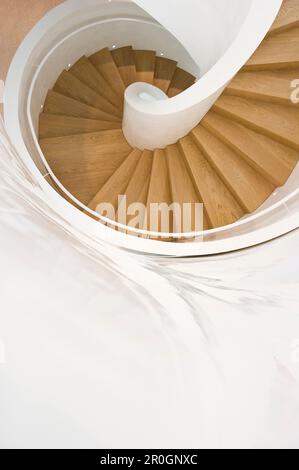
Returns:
<point x="142" y="130"/>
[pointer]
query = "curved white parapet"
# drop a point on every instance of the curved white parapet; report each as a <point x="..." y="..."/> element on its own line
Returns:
<point x="190" y="21"/>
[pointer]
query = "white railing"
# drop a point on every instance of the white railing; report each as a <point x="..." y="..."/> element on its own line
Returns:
<point x="169" y="120"/>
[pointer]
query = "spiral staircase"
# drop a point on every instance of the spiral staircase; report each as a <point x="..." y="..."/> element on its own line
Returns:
<point x="227" y="134"/>
<point x="232" y="161"/>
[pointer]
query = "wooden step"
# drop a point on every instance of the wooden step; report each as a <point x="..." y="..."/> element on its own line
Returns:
<point x="84" y="162"/>
<point x="288" y="17"/>
<point x="125" y="61"/>
<point x="60" y="104"/>
<point x="271" y="159"/>
<point x="263" y="86"/>
<point x="182" y="190"/>
<point x="116" y="184"/>
<point x="145" y="65"/>
<point x="278" y="122"/>
<point x="54" y="125"/>
<point x="249" y="188"/>
<point x="220" y="205"/>
<point x="158" y="193"/>
<point x="276" y="52"/>
<point x="68" y="85"/>
<point x="85" y="71"/>
<point x="164" y="72"/>
<point x="104" y="63"/>
<point x="180" y="82"/>
<point x="283" y="74"/>
<point x="137" y="190"/>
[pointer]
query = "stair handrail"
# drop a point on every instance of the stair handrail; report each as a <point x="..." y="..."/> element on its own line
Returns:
<point x="161" y="118"/>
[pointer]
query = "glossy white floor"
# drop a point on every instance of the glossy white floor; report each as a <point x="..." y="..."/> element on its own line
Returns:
<point x="103" y="348"/>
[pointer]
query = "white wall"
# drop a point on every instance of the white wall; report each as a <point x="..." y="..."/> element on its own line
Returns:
<point x="205" y="28"/>
<point x="239" y="29"/>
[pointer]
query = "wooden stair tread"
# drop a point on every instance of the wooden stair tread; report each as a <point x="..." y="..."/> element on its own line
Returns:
<point x="84" y="162"/>
<point x="145" y="65"/>
<point x="182" y="188"/>
<point x="158" y="192"/>
<point x="283" y="74"/>
<point x="104" y="63"/>
<point x="69" y="85"/>
<point x="140" y="178"/>
<point x="125" y="61"/>
<point x="93" y="139"/>
<point x="56" y="103"/>
<point x="181" y="81"/>
<point x="288" y="17"/>
<point x="249" y="188"/>
<point x="261" y="85"/>
<point x="56" y="125"/>
<point x="273" y="160"/>
<point x="164" y="72"/>
<point x="85" y="71"/>
<point x="220" y="205"/>
<point x="274" y="120"/>
<point x="117" y="183"/>
<point x="277" y="51"/>
<point x="137" y="189"/>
